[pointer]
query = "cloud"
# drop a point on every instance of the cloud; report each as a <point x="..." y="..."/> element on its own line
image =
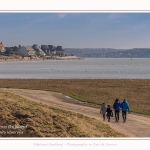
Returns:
<point x="61" y="15"/>
<point x="114" y="16"/>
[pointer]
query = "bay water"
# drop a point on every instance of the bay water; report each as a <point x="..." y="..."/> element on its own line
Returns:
<point x="87" y="68"/>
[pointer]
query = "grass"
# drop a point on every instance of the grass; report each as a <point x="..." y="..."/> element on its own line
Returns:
<point x="95" y="91"/>
<point x="41" y="120"/>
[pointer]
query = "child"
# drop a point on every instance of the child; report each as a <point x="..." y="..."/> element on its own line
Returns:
<point x="103" y="110"/>
<point x="109" y="113"/>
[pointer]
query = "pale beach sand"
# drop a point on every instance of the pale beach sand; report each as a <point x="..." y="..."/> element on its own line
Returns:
<point x="5" y="58"/>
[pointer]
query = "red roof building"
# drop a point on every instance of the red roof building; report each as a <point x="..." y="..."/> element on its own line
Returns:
<point x="1" y="44"/>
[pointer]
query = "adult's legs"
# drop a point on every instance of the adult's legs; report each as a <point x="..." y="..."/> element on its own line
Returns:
<point x="124" y="113"/>
<point x="117" y="115"/>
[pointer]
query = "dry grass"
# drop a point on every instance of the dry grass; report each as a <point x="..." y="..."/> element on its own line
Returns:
<point x="93" y="90"/>
<point x="43" y="121"/>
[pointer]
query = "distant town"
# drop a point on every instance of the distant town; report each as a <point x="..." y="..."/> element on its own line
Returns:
<point x="53" y="52"/>
<point x="33" y="51"/>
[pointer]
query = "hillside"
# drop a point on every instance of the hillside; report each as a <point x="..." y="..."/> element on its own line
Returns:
<point x="21" y="117"/>
<point x="110" y="52"/>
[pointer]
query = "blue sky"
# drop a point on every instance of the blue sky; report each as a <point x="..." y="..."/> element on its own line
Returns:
<point x="76" y="30"/>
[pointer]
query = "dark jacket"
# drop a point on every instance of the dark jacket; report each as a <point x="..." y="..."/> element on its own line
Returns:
<point x="116" y="105"/>
<point x="109" y="112"/>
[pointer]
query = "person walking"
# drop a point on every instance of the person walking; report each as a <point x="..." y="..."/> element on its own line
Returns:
<point x="116" y="107"/>
<point x="103" y="110"/>
<point x="125" y="107"/>
<point x="109" y="112"/>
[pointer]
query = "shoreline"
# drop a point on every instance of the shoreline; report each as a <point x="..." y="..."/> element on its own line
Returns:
<point x="8" y="59"/>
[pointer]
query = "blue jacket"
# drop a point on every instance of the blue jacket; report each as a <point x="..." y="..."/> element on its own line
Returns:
<point x="116" y="105"/>
<point x="125" y="105"/>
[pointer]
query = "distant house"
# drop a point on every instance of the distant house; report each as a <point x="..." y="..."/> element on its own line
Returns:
<point x="11" y="51"/>
<point x="49" y="49"/>
<point x="59" y="51"/>
<point x="7" y="52"/>
<point x="27" y="51"/>
<point x="2" y="49"/>
<point x="53" y="51"/>
<point x="38" y="50"/>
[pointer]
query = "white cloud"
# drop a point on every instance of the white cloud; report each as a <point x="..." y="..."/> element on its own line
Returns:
<point x="114" y="16"/>
<point x="61" y="15"/>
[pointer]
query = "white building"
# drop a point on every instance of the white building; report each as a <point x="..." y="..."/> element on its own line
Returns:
<point x="27" y="51"/>
<point x="60" y="52"/>
<point x="53" y="52"/>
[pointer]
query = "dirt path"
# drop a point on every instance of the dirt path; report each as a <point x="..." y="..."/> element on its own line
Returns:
<point x="135" y="126"/>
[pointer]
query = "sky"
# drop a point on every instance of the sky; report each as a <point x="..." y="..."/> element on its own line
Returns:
<point x="76" y="29"/>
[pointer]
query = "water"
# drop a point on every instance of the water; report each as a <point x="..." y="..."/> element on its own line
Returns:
<point x="88" y="68"/>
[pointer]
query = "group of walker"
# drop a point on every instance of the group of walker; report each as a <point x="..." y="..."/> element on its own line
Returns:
<point x="117" y="106"/>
